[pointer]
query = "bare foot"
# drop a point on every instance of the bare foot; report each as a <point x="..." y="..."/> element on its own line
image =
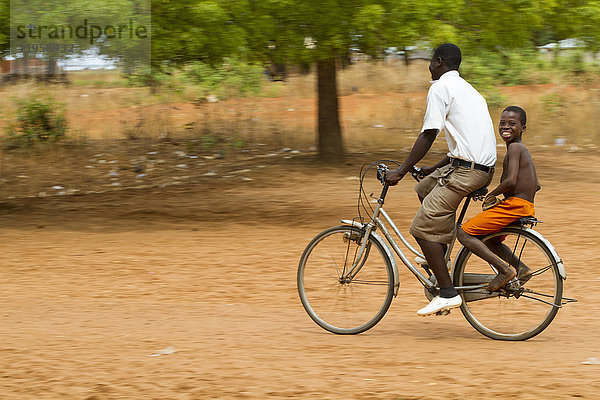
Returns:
<point x="523" y="274"/>
<point x="501" y="279"/>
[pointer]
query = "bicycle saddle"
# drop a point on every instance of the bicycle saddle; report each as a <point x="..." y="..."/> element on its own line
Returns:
<point x="527" y="221"/>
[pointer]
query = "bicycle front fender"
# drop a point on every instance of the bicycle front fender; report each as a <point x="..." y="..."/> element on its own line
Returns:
<point x="376" y="237"/>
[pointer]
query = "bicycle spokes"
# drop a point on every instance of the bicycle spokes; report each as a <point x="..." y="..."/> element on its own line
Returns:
<point x="345" y="284"/>
<point x="519" y="310"/>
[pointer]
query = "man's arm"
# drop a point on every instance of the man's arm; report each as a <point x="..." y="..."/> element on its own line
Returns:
<point x="440" y="164"/>
<point x="418" y="151"/>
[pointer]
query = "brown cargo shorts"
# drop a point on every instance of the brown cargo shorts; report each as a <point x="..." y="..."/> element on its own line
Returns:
<point x="442" y="191"/>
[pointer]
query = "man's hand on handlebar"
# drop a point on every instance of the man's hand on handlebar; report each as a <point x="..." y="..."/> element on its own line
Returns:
<point x="394" y="176"/>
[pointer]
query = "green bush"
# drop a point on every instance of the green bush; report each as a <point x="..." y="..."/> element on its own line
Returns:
<point x="573" y="62"/>
<point x="208" y="142"/>
<point x="205" y="75"/>
<point x="553" y="103"/>
<point x="493" y="97"/>
<point x="234" y="78"/>
<point x="37" y="120"/>
<point x="141" y="77"/>
<point x="508" y="68"/>
<point x="524" y="67"/>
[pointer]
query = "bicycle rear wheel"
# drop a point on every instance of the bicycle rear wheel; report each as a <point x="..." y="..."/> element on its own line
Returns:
<point x="345" y="306"/>
<point x="519" y="311"/>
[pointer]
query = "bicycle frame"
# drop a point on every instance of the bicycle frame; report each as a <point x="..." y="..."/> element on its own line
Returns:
<point x="342" y="297"/>
<point x="377" y="223"/>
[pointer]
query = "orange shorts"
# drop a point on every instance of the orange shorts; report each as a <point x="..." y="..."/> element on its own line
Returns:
<point x="497" y="217"/>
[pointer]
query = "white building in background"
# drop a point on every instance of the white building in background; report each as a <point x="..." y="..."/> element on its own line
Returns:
<point x="568" y="47"/>
<point x="567" y="44"/>
<point x="15" y="67"/>
<point x="90" y="59"/>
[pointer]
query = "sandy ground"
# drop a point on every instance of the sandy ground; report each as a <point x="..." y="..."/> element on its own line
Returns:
<point x="189" y="292"/>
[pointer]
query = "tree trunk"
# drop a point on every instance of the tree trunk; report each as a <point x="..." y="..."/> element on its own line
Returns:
<point x="51" y="67"/>
<point x="331" y="148"/>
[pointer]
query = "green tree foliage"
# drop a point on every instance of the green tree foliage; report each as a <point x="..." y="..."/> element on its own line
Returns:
<point x="185" y="31"/>
<point x="230" y="79"/>
<point x="71" y="27"/>
<point x="574" y="19"/>
<point x="4" y="27"/>
<point x="323" y="31"/>
<point x="498" y="25"/>
<point x="416" y="20"/>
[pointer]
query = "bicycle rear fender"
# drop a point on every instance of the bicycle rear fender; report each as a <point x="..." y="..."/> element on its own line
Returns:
<point x="386" y="248"/>
<point x="559" y="263"/>
<point x="557" y="260"/>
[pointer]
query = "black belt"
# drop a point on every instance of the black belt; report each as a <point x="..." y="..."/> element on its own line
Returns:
<point x="457" y="162"/>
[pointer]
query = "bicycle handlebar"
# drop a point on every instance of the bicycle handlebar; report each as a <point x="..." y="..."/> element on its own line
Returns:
<point x="416" y="173"/>
<point x="381" y="170"/>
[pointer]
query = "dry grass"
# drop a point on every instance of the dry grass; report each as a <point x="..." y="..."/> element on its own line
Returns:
<point x="382" y="106"/>
<point x="557" y="114"/>
<point x="97" y="78"/>
<point x="382" y="109"/>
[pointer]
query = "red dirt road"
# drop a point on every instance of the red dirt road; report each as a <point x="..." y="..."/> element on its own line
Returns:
<point x="93" y="287"/>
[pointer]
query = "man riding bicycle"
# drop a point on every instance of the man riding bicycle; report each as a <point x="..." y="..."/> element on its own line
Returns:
<point x="454" y="106"/>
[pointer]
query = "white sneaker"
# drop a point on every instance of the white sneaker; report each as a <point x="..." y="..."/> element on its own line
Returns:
<point x="440" y="304"/>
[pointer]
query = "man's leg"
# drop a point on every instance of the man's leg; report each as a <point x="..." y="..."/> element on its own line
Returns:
<point x="434" y="250"/>
<point x="505" y="272"/>
<point x="435" y="254"/>
<point x="434" y="225"/>
<point x="448" y="298"/>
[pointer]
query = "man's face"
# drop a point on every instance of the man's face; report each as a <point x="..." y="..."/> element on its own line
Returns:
<point x="510" y="126"/>
<point x="435" y="67"/>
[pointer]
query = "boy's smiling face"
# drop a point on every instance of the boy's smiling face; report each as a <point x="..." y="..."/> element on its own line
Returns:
<point x="510" y="127"/>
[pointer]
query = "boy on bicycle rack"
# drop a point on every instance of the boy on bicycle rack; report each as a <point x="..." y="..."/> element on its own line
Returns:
<point x="455" y="106"/>
<point x="518" y="184"/>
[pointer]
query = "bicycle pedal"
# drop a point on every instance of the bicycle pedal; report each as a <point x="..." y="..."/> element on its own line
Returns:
<point x="421" y="261"/>
<point x="514" y="284"/>
<point x="443" y="312"/>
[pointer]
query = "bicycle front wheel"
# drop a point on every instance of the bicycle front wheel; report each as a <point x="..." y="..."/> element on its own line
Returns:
<point x="340" y="304"/>
<point x="520" y="310"/>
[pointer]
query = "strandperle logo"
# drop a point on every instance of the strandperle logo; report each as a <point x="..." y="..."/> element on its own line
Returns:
<point x="91" y="32"/>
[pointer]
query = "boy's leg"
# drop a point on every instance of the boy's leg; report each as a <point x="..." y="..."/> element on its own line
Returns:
<point x="506" y="254"/>
<point x="494" y="251"/>
<point x="505" y="272"/>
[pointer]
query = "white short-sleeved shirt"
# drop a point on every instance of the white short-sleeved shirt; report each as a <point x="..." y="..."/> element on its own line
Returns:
<point x="453" y="105"/>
